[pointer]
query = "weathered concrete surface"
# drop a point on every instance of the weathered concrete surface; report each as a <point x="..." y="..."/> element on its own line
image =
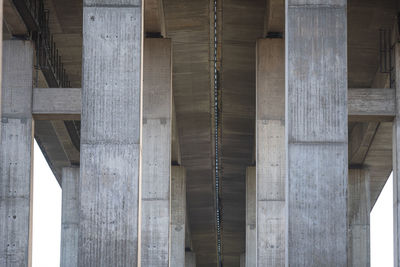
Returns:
<point x="190" y="259"/>
<point x="359" y="206"/>
<point x="242" y="23"/>
<point x="396" y="163"/>
<point x="178" y="216"/>
<point x="16" y="150"/>
<point x="251" y="217"/>
<point x="188" y="25"/>
<point x="57" y="103"/>
<point x="156" y="152"/>
<point x="367" y="104"/>
<point x="111" y="133"/>
<point x="270" y="156"/>
<point x="316" y="132"/>
<point x="70" y="217"/>
<point x="154" y="21"/>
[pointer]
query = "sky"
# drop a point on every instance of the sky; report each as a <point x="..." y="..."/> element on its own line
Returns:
<point x="47" y="219"/>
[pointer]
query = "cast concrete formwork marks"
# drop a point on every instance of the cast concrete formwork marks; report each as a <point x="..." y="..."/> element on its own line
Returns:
<point x="70" y="217"/>
<point x="178" y="216"/>
<point x="359" y="207"/>
<point x="16" y="154"/>
<point x="270" y="156"/>
<point x="316" y="132"/>
<point x="110" y="136"/>
<point x="156" y="155"/>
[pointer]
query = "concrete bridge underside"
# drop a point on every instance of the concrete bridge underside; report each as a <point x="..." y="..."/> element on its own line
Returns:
<point x="190" y="26"/>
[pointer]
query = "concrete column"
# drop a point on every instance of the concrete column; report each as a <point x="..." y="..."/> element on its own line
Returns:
<point x="396" y="163"/>
<point x="251" y="218"/>
<point x="16" y="155"/>
<point x="70" y="217"/>
<point x="178" y="216"/>
<point x="243" y="260"/>
<point x="359" y="207"/>
<point x="270" y="152"/>
<point x="156" y="166"/>
<point x="316" y="127"/>
<point x="111" y="134"/>
<point x="190" y="259"/>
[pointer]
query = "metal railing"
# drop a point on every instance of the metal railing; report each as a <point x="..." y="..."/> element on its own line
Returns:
<point x="49" y="60"/>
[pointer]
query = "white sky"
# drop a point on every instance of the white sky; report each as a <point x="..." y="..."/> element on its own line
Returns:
<point x="47" y="219"/>
<point x="381" y="227"/>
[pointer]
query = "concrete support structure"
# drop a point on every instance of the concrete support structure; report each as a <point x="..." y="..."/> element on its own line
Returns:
<point x="70" y="217"/>
<point x="359" y="207"/>
<point x="178" y="216"/>
<point x="190" y="259"/>
<point x="251" y="217"/>
<point x="316" y="128"/>
<point x="396" y="163"/>
<point x="16" y="154"/>
<point x="270" y="155"/>
<point x="109" y="232"/>
<point x="243" y="260"/>
<point x="156" y="163"/>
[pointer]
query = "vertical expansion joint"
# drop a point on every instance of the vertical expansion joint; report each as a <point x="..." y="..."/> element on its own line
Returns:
<point x="218" y="205"/>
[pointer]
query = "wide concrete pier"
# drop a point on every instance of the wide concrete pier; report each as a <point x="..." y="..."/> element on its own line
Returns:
<point x="201" y="133"/>
<point x="111" y="134"/>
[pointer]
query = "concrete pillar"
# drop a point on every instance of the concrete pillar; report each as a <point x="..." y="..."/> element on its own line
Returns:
<point x="156" y="164"/>
<point x="359" y="207"/>
<point x="316" y="127"/>
<point x="243" y="260"/>
<point x="270" y="154"/>
<point x="16" y="155"/>
<point x="190" y="259"/>
<point x="178" y="216"/>
<point x="69" y="217"/>
<point x="396" y="163"/>
<point x="111" y="134"/>
<point x="251" y="218"/>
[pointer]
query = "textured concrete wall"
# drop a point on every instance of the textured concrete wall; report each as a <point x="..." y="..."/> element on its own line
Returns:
<point x="251" y="217"/>
<point x="316" y="132"/>
<point x="111" y="133"/>
<point x="16" y="154"/>
<point x="270" y="155"/>
<point x="359" y="207"/>
<point x="178" y="216"/>
<point x="70" y="217"/>
<point x="156" y="163"/>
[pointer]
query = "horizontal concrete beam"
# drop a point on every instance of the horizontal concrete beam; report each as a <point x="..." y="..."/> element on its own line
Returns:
<point x="367" y="104"/>
<point x="364" y="104"/>
<point x="57" y="103"/>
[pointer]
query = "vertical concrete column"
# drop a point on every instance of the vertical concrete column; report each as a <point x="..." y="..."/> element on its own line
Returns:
<point x="178" y="216"/>
<point x="251" y="218"/>
<point x="396" y="163"/>
<point x="359" y="207"/>
<point x="243" y="260"/>
<point x="70" y="217"/>
<point x="270" y="154"/>
<point x="156" y="166"/>
<point x="111" y="134"/>
<point x="16" y="155"/>
<point x="190" y="259"/>
<point x="316" y="128"/>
